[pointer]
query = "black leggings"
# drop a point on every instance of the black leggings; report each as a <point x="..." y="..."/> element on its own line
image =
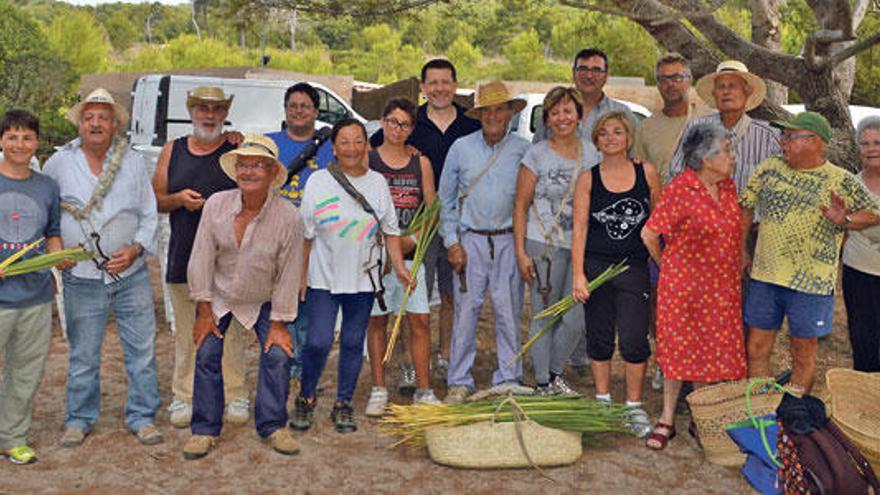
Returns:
<point x="620" y="303"/>
<point x="861" y="295"/>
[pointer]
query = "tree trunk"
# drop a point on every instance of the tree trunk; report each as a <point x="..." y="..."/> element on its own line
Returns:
<point x="767" y="32"/>
<point x="291" y="23"/>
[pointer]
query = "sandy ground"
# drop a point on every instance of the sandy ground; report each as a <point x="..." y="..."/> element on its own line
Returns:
<point x="112" y="461"/>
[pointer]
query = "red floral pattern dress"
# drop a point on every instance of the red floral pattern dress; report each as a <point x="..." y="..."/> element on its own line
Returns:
<point x="699" y="315"/>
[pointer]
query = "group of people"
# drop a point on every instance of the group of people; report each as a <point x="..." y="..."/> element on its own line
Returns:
<point x="734" y="222"/>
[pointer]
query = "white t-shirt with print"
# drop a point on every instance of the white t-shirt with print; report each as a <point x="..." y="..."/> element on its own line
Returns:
<point x="342" y="233"/>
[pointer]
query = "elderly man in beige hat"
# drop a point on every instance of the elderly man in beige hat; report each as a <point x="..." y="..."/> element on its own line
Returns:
<point x="108" y="206"/>
<point x="187" y="173"/>
<point x="477" y="188"/>
<point x="245" y="266"/>
<point x="733" y="91"/>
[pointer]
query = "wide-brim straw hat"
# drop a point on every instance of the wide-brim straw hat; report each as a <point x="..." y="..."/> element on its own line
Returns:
<point x="255" y="145"/>
<point x="101" y="96"/>
<point x="209" y="95"/>
<point x="706" y="84"/>
<point x="493" y="93"/>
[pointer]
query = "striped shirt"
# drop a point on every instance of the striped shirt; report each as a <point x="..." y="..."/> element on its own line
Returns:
<point x="758" y="142"/>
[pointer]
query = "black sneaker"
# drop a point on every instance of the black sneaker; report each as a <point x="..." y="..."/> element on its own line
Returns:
<point x="343" y="417"/>
<point x="302" y="414"/>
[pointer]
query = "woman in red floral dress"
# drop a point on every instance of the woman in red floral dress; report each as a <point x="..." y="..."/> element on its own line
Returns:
<point x="699" y="316"/>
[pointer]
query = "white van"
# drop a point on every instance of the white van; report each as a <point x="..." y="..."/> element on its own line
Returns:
<point x="525" y="123"/>
<point x="159" y="113"/>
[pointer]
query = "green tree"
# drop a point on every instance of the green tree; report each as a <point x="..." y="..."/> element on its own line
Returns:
<point x="524" y="56"/>
<point x="33" y="77"/>
<point x="121" y="30"/>
<point x="187" y="51"/>
<point x="80" y="40"/>
<point x="466" y="58"/>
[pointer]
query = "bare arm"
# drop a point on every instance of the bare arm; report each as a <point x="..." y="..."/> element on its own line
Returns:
<point x="525" y="192"/>
<point x="393" y="243"/>
<point x="579" y="235"/>
<point x="651" y="240"/>
<point x="166" y="202"/>
<point x="654" y="184"/>
<point x="747" y="216"/>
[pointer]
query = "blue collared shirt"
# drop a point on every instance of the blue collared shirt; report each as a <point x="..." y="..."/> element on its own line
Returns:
<point x="489" y="205"/>
<point x="127" y="214"/>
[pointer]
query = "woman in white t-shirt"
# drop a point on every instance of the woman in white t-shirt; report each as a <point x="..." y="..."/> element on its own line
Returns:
<point x="344" y="262"/>
<point x="861" y="262"/>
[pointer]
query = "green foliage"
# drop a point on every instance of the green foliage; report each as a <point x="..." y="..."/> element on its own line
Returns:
<point x="146" y="58"/>
<point x="466" y="58"/>
<point x="80" y="40"/>
<point x="866" y="90"/>
<point x="33" y="77"/>
<point x="379" y="56"/>
<point x="525" y="57"/>
<point x="311" y="60"/>
<point x="121" y="30"/>
<point x="187" y="51"/>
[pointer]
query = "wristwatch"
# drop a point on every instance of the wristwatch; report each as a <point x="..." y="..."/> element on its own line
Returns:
<point x="139" y="247"/>
<point x="847" y="219"/>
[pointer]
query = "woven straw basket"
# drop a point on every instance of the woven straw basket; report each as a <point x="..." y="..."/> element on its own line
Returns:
<point x="855" y="407"/>
<point x="496" y="445"/>
<point x="716" y="406"/>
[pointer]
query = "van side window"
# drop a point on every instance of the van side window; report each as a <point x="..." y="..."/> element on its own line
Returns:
<point x="331" y="110"/>
<point x="537" y="116"/>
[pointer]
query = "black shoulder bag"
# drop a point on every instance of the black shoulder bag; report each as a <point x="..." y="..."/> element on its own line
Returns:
<point x="378" y="244"/>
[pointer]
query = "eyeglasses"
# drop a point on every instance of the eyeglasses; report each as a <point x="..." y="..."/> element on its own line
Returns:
<point x="253" y="166"/>
<point x="786" y="137"/>
<point x="305" y="107"/>
<point x="673" y="78"/>
<point x="403" y="126"/>
<point x="585" y="69"/>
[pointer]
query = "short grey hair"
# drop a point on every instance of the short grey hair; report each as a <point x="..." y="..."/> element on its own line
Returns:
<point x="672" y="58"/>
<point x="702" y="141"/>
<point x="868" y="123"/>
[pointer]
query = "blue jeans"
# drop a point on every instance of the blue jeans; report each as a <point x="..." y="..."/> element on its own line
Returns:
<point x="270" y="409"/>
<point x="323" y="307"/>
<point x="87" y="303"/>
<point x="298" y="329"/>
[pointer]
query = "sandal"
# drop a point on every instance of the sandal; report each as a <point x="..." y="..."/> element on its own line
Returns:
<point x="20" y="455"/>
<point x="661" y="439"/>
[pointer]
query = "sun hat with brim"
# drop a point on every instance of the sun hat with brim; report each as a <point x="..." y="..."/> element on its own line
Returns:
<point x="102" y="96"/>
<point x="807" y="121"/>
<point x="706" y="84"/>
<point x="493" y="93"/>
<point x="209" y="95"/>
<point x="255" y="145"/>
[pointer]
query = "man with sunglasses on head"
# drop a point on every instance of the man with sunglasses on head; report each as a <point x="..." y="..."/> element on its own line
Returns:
<point x="299" y="145"/>
<point x="108" y="206"/>
<point x="187" y="174"/>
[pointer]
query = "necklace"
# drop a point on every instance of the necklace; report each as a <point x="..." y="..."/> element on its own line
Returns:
<point x="105" y="180"/>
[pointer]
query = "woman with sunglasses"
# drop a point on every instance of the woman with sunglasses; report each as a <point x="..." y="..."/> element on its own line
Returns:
<point x="349" y="217"/>
<point x="411" y="181"/>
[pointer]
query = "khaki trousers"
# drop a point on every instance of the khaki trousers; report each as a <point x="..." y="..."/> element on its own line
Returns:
<point x="185" y="351"/>
<point x="24" y="340"/>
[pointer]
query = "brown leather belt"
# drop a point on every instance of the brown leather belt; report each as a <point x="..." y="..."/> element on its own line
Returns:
<point x="490" y="233"/>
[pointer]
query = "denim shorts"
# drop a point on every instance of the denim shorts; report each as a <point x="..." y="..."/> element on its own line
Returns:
<point x="418" y="299"/>
<point x="809" y="315"/>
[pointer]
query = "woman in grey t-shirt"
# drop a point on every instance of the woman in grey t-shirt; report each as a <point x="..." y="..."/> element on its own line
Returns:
<point x="542" y="222"/>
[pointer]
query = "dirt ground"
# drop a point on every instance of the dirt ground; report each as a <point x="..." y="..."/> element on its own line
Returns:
<point x="112" y="461"/>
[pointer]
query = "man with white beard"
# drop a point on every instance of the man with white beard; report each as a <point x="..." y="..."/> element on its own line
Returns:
<point x="187" y="173"/>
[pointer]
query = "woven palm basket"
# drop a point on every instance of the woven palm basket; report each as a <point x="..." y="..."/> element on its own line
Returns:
<point x="496" y="445"/>
<point x="855" y="407"/>
<point x="716" y="406"/>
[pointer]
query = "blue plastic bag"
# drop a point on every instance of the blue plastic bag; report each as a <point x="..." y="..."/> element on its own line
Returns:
<point x="760" y="468"/>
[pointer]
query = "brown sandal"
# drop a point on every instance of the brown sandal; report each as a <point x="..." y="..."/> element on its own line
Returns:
<point x="660" y="438"/>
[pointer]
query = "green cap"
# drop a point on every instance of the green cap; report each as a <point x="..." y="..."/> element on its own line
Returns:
<point x="808" y="121"/>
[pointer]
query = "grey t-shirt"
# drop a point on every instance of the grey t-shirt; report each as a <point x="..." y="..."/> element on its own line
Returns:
<point x="554" y="176"/>
<point x="29" y="210"/>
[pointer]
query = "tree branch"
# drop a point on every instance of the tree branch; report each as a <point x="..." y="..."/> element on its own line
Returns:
<point x="353" y="9"/>
<point x="851" y="50"/>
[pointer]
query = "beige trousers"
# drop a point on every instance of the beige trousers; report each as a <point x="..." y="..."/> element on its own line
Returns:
<point x="185" y="352"/>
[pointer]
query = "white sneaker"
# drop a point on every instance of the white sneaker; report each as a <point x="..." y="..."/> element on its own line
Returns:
<point x="638" y="423"/>
<point x="237" y="412"/>
<point x="425" y="396"/>
<point x="559" y="387"/>
<point x="181" y="413"/>
<point x="378" y="401"/>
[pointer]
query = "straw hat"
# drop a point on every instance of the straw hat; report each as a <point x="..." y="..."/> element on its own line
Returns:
<point x="255" y="145"/>
<point x="493" y="93"/>
<point x="99" y="95"/>
<point x="209" y="95"/>
<point x="706" y="84"/>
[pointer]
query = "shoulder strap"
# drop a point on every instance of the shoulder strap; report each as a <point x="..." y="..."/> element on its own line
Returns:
<point x="555" y="227"/>
<point x="483" y="172"/>
<point x="308" y="152"/>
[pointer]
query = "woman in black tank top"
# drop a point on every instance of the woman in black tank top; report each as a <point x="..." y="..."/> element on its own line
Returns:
<point x="611" y="205"/>
<point x="411" y="180"/>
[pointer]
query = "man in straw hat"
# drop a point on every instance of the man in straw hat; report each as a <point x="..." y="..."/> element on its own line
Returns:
<point x="108" y="206"/>
<point x="187" y="174"/>
<point x="249" y="273"/>
<point x="477" y="189"/>
<point x="806" y="204"/>
<point x="733" y="91"/>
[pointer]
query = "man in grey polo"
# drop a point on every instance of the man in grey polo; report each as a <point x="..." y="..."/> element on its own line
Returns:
<point x="476" y="193"/>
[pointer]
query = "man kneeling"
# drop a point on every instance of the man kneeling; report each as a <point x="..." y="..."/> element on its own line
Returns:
<point x="249" y="273"/>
